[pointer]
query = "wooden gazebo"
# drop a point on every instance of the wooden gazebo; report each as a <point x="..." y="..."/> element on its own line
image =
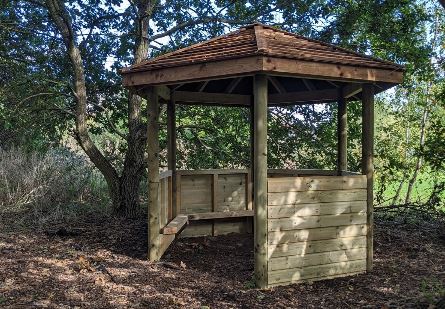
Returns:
<point x="308" y="224"/>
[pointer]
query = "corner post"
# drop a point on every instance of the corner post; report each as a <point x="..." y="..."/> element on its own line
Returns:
<point x="368" y="165"/>
<point x="154" y="237"/>
<point x="171" y="148"/>
<point x="342" y="134"/>
<point x="260" y="179"/>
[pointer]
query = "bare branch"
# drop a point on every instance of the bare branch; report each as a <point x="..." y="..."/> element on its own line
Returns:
<point x="115" y="129"/>
<point x="39" y="95"/>
<point x="194" y="23"/>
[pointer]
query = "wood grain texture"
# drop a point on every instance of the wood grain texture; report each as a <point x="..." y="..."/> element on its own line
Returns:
<point x="307" y="197"/>
<point x="220" y="215"/>
<point x="313" y="259"/>
<point x="368" y="163"/>
<point x="306" y="247"/>
<point x="328" y="270"/>
<point x="154" y="212"/>
<point x="316" y="183"/>
<point x="176" y="225"/>
<point x="308" y="222"/>
<point x="260" y="195"/>
<point x="316" y="209"/>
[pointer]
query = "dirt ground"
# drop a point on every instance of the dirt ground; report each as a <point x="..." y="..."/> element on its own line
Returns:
<point x="101" y="264"/>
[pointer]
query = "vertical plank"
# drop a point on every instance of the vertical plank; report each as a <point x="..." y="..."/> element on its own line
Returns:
<point x="170" y="198"/>
<point x="214" y="198"/>
<point x="368" y="164"/>
<point x="342" y="134"/>
<point x="260" y="179"/>
<point x="162" y="204"/>
<point x="171" y="147"/>
<point x="177" y="202"/>
<point x="249" y="202"/>
<point x="154" y="239"/>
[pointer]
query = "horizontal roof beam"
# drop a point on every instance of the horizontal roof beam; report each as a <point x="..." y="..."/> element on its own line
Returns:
<point x="187" y="97"/>
<point x="299" y="97"/>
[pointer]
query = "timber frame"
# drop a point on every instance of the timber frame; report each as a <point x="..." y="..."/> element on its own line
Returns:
<point x="250" y="68"/>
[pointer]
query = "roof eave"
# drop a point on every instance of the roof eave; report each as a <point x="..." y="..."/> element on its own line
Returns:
<point x="257" y="64"/>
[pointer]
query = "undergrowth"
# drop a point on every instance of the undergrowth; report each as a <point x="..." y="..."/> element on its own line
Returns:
<point x="40" y="189"/>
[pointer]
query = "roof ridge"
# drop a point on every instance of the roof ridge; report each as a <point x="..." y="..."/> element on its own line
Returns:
<point x="261" y="42"/>
<point x="333" y="46"/>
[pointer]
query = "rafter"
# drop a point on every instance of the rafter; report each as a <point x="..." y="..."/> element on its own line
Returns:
<point x="288" y="98"/>
<point x="203" y="85"/>
<point x="233" y="83"/>
<point x="309" y="84"/>
<point x="277" y="85"/>
<point x="317" y="96"/>
<point x="351" y="90"/>
<point x="186" y="97"/>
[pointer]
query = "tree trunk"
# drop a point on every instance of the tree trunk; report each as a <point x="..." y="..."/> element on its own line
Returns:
<point x="134" y="163"/>
<point x="124" y="190"/>
<point x="396" y="197"/>
<point x="419" y="161"/>
<point x="62" y="20"/>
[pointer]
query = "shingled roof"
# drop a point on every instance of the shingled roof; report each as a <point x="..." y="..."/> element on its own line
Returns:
<point x="262" y="40"/>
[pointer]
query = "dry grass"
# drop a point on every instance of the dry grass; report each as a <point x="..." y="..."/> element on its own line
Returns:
<point x="42" y="188"/>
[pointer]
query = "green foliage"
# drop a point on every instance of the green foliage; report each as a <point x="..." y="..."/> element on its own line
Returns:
<point x="36" y="99"/>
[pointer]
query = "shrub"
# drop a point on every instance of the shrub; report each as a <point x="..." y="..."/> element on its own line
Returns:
<point x="51" y="186"/>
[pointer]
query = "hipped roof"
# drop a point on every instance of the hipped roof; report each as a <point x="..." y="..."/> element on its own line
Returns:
<point x="265" y="42"/>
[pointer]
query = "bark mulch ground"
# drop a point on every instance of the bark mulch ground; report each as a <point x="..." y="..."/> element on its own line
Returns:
<point x="101" y="264"/>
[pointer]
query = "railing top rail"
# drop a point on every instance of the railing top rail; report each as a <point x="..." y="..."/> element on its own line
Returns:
<point x="290" y="172"/>
<point x="165" y="174"/>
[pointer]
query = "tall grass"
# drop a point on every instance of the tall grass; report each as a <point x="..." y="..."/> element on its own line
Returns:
<point x="44" y="188"/>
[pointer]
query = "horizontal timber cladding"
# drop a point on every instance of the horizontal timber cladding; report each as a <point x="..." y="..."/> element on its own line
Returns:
<point x="303" y="197"/>
<point x="317" y="272"/>
<point x="295" y="261"/>
<point x="219" y="191"/>
<point x="306" y="247"/>
<point x="316" y="227"/>
<point x="334" y="232"/>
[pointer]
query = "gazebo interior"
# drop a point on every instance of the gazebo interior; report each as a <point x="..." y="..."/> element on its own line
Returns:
<point x="307" y="224"/>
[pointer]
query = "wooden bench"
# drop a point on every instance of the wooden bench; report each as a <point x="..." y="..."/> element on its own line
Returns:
<point x="179" y="222"/>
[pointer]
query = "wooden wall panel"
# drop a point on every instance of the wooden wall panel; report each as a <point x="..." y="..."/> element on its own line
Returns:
<point x="208" y="191"/>
<point x="231" y="192"/>
<point x="196" y="194"/>
<point x="317" y="227"/>
<point x="287" y="276"/>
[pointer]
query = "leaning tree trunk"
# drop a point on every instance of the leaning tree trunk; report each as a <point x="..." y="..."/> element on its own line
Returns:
<point x="124" y="190"/>
<point x="61" y="18"/>
<point x="419" y="161"/>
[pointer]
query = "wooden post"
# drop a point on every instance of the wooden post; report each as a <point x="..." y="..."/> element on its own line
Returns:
<point x="342" y="135"/>
<point x="171" y="149"/>
<point x="368" y="165"/>
<point x="154" y="239"/>
<point x="260" y="179"/>
<point x="250" y="221"/>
